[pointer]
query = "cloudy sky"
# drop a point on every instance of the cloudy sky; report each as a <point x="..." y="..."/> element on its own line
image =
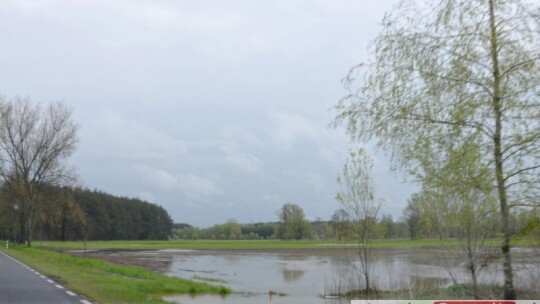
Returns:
<point x="213" y="109"/>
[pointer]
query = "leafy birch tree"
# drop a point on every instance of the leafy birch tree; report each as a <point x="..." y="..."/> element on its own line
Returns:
<point x="459" y="202"/>
<point x="357" y="198"/>
<point x="448" y="71"/>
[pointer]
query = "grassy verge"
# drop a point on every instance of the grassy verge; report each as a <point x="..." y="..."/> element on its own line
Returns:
<point x="254" y="244"/>
<point x="105" y="282"/>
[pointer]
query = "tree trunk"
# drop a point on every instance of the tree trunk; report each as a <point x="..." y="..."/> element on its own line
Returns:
<point x="367" y="285"/>
<point x="474" y="281"/>
<point x="28" y="233"/>
<point x="22" y="230"/>
<point x="63" y="230"/>
<point x="509" y="291"/>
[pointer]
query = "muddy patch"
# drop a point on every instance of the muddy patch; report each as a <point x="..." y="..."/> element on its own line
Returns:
<point x="150" y="259"/>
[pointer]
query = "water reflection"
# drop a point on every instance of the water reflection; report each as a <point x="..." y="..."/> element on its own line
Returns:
<point x="232" y="259"/>
<point x="423" y="283"/>
<point x="293" y="257"/>
<point x="292" y="275"/>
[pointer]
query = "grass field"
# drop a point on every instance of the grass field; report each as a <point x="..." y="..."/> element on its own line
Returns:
<point x="253" y="244"/>
<point x="105" y="282"/>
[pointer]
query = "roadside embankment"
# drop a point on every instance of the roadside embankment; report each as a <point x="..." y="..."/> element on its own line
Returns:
<point x="106" y="282"/>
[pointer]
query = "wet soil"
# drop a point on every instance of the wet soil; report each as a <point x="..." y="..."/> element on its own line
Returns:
<point x="152" y="261"/>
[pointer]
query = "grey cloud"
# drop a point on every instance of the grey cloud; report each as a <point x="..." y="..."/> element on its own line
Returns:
<point x="198" y="105"/>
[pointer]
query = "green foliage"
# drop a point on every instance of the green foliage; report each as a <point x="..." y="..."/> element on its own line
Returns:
<point x="293" y="225"/>
<point x="387" y="228"/>
<point x="123" y="218"/>
<point x="110" y="217"/>
<point x="322" y="229"/>
<point x="527" y="225"/>
<point x="411" y="217"/>
<point x="76" y="214"/>
<point x="341" y="224"/>
<point x="447" y="76"/>
<point x="230" y="230"/>
<point x="259" y="230"/>
<point x="339" y="227"/>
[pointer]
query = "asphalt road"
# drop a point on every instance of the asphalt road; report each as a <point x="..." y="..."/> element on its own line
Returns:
<point x="21" y="284"/>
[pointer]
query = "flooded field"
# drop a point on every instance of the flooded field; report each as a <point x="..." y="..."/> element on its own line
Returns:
<point x="310" y="276"/>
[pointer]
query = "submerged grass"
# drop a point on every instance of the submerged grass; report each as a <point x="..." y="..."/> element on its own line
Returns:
<point x="209" y="280"/>
<point x="108" y="283"/>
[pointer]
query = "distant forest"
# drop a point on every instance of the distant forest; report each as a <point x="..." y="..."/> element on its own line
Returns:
<point x="416" y="222"/>
<point x="76" y="214"/>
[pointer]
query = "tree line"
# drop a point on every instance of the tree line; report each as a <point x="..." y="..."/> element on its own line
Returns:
<point x="78" y="214"/>
<point x="415" y="223"/>
<point x="37" y="193"/>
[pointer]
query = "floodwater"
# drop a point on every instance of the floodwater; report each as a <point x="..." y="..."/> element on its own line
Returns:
<point x="308" y="277"/>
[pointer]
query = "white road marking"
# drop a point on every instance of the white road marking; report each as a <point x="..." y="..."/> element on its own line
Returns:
<point x="43" y="277"/>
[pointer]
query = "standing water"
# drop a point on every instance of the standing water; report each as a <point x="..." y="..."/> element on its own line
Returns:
<point x="312" y="276"/>
<point x="304" y="277"/>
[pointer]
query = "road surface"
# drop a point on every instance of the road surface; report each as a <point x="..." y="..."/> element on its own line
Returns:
<point x="21" y="284"/>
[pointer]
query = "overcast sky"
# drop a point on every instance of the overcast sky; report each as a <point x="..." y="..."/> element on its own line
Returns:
<point x="213" y="109"/>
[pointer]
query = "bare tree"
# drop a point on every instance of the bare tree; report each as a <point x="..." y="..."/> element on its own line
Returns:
<point x="357" y="198"/>
<point x="35" y="143"/>
<point x="411" y="216"/>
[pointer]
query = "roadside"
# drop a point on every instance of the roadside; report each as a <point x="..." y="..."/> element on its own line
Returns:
<point x="20" y="284"/>
<point x="106" y="282"/>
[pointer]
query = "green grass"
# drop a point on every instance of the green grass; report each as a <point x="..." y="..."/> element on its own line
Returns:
<point x="209" y="280"/>
<point x="235" y="244"/>
<point x="182" y="244"/>
<point x="105" y="282"/>
<point x="255" y="244"/>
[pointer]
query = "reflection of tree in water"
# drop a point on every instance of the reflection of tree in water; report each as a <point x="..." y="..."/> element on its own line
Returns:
<point x="426" y="283"/>
<point x="232" y="259"/>
<point x="293" y="257"/>
<point x="292" y="275"/>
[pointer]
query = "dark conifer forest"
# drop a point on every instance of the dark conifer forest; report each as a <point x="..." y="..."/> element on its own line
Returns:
<point x="78" y="214"/>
